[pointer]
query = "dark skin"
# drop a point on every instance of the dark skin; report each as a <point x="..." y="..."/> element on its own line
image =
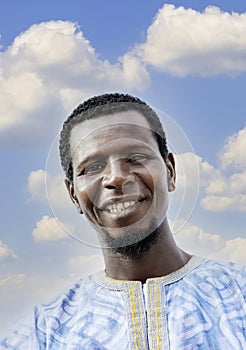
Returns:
<point x="162" y="259"/>
<point x="107" y="171"/>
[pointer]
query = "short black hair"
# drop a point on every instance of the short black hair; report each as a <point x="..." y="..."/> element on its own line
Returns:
<point x="102" y="105"/>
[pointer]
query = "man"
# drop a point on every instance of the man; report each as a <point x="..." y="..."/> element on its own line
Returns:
<point x="152" y="295"/>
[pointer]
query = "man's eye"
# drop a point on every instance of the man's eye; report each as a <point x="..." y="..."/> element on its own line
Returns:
<point x="137" y="158"/>
<point x="94" y="168"/>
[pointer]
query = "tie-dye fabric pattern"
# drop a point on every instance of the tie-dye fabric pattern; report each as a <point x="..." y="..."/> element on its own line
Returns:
<point x="200" y="306"/>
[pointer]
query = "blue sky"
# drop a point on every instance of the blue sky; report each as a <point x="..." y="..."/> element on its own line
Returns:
<point x="188" y="62"/>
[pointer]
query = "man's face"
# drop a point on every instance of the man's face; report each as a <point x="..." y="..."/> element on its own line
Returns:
<point x="120" y="180"/>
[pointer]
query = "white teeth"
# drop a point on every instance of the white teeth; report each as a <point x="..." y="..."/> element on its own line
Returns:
<point x="127" y="204"/>
<point x="117" y="208"/>
<point x="120" y="206"/>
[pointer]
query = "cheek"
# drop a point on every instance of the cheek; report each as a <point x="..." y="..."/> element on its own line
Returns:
<point x="160" y="189"/>
<point x="156" y="180"/>
<point x="87" y="190"/>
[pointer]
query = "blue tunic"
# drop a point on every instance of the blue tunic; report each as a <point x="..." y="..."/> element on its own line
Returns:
<point x="200" y="306"/>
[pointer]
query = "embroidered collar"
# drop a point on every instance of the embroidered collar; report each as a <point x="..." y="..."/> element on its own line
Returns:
<point x="113" y="284"/>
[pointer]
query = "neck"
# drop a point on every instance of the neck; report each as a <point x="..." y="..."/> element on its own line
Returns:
<point x="161" y="259"/>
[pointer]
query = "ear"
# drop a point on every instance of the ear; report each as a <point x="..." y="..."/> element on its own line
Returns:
<point x="72" y="195"/>
<point x="171" y="173"/>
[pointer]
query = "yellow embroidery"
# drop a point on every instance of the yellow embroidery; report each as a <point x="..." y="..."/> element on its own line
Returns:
<point x="135" y="319"/>
<point x="158" y="317"/>
<point x="150" y="318"/>
<point x="141" y="318"/>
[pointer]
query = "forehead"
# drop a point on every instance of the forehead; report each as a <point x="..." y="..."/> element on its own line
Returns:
<point x="93" y="133"/>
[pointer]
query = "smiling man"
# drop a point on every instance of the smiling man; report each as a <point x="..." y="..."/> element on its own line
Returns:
<point x="123" y="193"/>
<point x="151" y="295"/>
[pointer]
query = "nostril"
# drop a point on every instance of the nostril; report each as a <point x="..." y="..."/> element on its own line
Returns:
<point x="110" y="187"/>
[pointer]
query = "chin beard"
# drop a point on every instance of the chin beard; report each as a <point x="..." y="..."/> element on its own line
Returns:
<point x="134" y="250"/>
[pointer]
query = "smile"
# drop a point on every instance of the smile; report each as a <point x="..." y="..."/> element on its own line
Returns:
<point x="118" y="208"/>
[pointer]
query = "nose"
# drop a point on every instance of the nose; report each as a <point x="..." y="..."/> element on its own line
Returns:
<point x="117" y="175"/>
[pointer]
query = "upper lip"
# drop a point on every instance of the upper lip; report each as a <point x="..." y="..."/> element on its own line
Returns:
<point x="121" y="199"/>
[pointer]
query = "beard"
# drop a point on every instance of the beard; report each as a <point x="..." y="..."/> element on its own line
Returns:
<point x="140" y="246"/>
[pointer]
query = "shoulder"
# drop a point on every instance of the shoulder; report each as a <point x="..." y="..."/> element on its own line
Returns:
<point x="216" y="267"/>
<point x="222" y="275"/>
<point x="72" y="298"/>
<point x="30" y="331"/>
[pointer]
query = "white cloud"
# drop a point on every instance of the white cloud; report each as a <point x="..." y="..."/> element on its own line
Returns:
<point x="196" y="241"/>
<point x="228" y="192"/>
<point x="233" y="250"/>
<point x="36" y="185"/>
<point x="184" y="42"/>
<point x="12" y="279"/>
<point x="234" y="150"/>
<point x="221" y="191"/>
<point x="6" y="252"/>
<point x="191" y="168"/>
<point x="43" y="186"/>
<point x="224" y="203"/>
<point x="48" y="70"/>
<point x="86" y="264"/>
<point x="49" y="229"/>
<point x="194" y="175"/>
